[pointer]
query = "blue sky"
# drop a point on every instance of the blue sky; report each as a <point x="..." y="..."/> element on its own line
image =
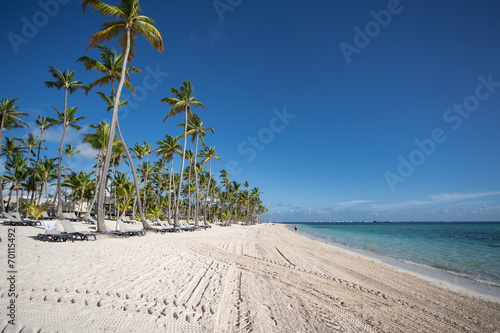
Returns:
<point x="359" y="110"/>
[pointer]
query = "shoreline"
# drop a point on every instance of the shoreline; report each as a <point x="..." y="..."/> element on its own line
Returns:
<point x="259" y="278"/>
<point x="438" y="276"/>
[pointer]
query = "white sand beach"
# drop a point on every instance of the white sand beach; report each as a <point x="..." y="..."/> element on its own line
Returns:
<point x="260" y="278"/>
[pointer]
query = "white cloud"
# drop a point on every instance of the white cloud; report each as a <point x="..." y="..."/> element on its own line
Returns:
<point x="86" y="152"/>
<point x="284" y="204"/>
<point x="353" y="203"/>
<point x="450" y="197"/>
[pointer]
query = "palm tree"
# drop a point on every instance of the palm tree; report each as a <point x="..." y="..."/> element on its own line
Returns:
<point x="99" y="141"/>
<point x="129" y="24"/>
<point x="30" y="144"/>
<point x="254" y="198"/>
<point x="66" y="81"/>
<point x="111" y="66"/>
<point x="79" y="182"/>
<point x="198" y="132"/>
<point x="167" y="150"/>
<point x="67" y="119"/>
<point x="9" y="119"/>
<point x="140" y="151"/>
<point x="43" y="123"/>
<point x="46" y="171"/>
<point x="207" y="155"/>
<point x="181" y="102"/>
<point x="17" y="173"/>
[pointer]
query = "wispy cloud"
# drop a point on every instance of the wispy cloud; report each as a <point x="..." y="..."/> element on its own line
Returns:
<point x="353" y="203"/>
<point x="451" y="197"/>
<point x="283" y="204"/>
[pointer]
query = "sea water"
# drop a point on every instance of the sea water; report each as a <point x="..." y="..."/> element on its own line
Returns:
<point x="469" y="249"/>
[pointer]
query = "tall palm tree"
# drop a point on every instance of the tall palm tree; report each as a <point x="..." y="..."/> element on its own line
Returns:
<point x="208" y="154"/>
<point x="47" y="172"/>
<point x="110" y="66"/>
<point x="110" y="101"/>
<point x="140" y="151"/>
<point x="9" y="119"/>
<point x="63" y="80"/>
<point x="181" y="102"/>
<point x="17" y="173"/>
<point x="98" y="140"/>
<point x="167" y="150"/>
<point x="67" y="119"/>
<point x="197" y="132"/>
<point x="31" y="144"/>
<point x="44" y="123"/>
<point x="129" y="24"/>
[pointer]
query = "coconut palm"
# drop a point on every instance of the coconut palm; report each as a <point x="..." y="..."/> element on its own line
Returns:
<point x="9" y="119"/>
<point x="181" y="103"/>
<point x="208" y="154"/>
<point x="98" y="140"/>
<point x="140" y="151"/>
<point x="167" y="150"/>
<point x="129" y="25"/>
<point x="63" y="80"/>
<point x="67" y="119"/>
<point x="30" y="144"/>
<point x="197" y="132"/>
<point x="110" y="66"/>
<point x="79" y="182"/>
<point x="44" y="123"/>
<point x="17" y="173"/>
<point x="46" y="171"/>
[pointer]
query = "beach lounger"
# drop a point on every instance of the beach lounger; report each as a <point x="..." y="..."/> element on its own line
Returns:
<point x="52" y="233"/>
<point x="168" y="227"/>
<point x="45" y="216"/>
<point x="124" y="228"/>
<point x="186" y="227"/>
<point x="109" y="230"/>
<point x="15" y="219"/>
<point x="71" y="217"/>
<point x="70" y="230"/>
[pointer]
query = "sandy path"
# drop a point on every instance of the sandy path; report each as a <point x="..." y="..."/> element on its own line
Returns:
<point x="235" y="279"/>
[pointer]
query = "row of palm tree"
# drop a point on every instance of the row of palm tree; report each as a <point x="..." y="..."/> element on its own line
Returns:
<point x="160" y="195"/>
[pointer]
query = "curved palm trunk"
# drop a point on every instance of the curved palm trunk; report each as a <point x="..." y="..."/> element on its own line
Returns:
<point x="1" y="181"/>
<point x="208" y="189"/>
<point x="145" y="224"/>
<point x="176" y="223"/>
<point x="59" y="213"/>
<point x="114" y="117"/>
<point x="197" y="191"/>
<point x="169" y="215"/>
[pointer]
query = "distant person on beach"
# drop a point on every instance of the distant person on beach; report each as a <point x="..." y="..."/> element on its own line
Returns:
<point x="295" y="228"/>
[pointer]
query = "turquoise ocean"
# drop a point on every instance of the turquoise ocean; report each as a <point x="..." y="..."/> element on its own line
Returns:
<point x="466" y="249"/>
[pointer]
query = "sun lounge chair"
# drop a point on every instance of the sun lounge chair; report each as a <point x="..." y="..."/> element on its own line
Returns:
<point x="168" y="227"/>
<point x="186" y="227"/>
<point x="111" y="229"/>
<point x="70" y="230"/>
<point x="71" y="217"/>
<point x="45" y="216"/>
<point x="124" y="228"/>
<point x="15" y="219"/>
<point x="52" y="233"/>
